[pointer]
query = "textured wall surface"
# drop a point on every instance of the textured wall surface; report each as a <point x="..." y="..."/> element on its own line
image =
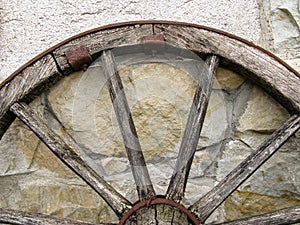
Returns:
<point x="239" y="117"/>
<point x="28" y="27"/>
<point x="280" y="34"/>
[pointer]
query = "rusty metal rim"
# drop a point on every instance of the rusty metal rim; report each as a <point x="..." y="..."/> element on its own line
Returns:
<point x="153" y="22"/>
<point x="158" y="200"/>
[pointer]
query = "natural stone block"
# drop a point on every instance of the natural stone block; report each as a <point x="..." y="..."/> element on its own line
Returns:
<point x="247" y="204"/>
<point x="216" y="121"/>
<point x="65" y="201"/>
<point x="262" y="113"/>
<point x="234" y="153"/>
<point x="113" y="166"/>
<point x="227" y="80"/>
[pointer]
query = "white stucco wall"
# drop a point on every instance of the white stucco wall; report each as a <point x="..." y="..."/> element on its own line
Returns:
<point x="28" y="27"/>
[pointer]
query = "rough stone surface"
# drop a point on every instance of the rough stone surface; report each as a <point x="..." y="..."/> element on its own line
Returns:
<point x="234" y="153"/>
<point x="280" y="20"/>
<point x="239" y="116"/>
<point x="227" y="80"/>
<point x="264" y="119"/>
<point x="255" y="204"/>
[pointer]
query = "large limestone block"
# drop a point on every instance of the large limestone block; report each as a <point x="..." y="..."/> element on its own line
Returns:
<point x="262" y="113"/>
<point x="247" y="204"/>
<point x="234" y="153"/>
<point x="227" y="80"/>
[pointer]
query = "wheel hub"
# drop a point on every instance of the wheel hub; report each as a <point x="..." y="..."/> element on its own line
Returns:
<point x="172" y="212"/>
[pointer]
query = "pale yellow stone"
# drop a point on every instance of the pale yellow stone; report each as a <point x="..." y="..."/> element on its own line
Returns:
<point x="159" y="97"/>
<point x="262" y="113"/>
<point x="158" y="126"/>
<point x="65" y="201"/>
<point x="61" y="97"/>
<point x="246" y="204"/>
<point x="37" y="155"/>
<point x="200" y="156"/>
<point x="227" y="79"/>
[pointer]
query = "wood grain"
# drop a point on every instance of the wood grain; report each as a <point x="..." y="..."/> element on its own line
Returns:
<point x="102" y="40"/>
<point x="68" y="156"/>
<point x="26" y="86"/>
<point x="192" y="131"/>
<point x="247" y="60"/>
<point x="253" y="63"/>
<point x="158" y="214"/>
<point x="124" y="117"/>
<point x="207" y="204"/>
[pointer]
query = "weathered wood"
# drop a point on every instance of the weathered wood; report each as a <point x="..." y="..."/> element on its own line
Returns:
<point x="28" y="218"/>
<point x="158" y="210"/>
<point x="158" y="214"/>
<point x="68" y="156"/>
<point x="128" y="131"/>
<point x="207" y="204"/>
<point x="250" y="61"/>
<point x="284" y="216"/>
<point x="246" y="59"/>
<point x="27" y="85"/>
<point x="101" y="40"/>
<point x="192" y="131"/>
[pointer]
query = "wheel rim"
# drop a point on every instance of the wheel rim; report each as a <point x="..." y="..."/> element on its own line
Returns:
<point x="289" y="98"/>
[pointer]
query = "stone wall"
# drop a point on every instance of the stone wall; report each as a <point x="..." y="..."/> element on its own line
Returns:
<point x="240" y="115"/>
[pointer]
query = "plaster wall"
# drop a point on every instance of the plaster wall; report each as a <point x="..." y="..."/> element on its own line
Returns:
<point x="29" y="27"/>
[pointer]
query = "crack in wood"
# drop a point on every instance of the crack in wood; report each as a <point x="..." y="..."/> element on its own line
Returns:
<point x="192" y="131"/>
<point x="124" y="117"/>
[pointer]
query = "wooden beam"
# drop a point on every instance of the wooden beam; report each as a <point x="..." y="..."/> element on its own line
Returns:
<point x="68" y="156"/>
<point x="192" y="131"/>
<point x="28" y="218"/>
<point x="245" y="58"/>
<point x="128" y="131"/>
<point x="207" y="204"/>
<point x="26" y="86"/>
<point x="100" y="40"/>
<point x="284" y="216"/>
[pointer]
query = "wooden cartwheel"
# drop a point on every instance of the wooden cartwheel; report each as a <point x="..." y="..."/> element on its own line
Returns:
<point x="216" y="48"/>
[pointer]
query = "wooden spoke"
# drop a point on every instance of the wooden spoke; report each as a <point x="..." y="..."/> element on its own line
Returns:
<point x="207" y="204"/>
<point x="68" y="156"/>
<point x="129" y="134"/>
<point x="285" y="216"/>
<point x="192" y="132"/>
<point x="26" y="218"/>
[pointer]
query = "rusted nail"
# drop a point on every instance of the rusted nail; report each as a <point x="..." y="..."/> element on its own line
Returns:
<point x="79" y="58"/>
<point x="154" y="44"/>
